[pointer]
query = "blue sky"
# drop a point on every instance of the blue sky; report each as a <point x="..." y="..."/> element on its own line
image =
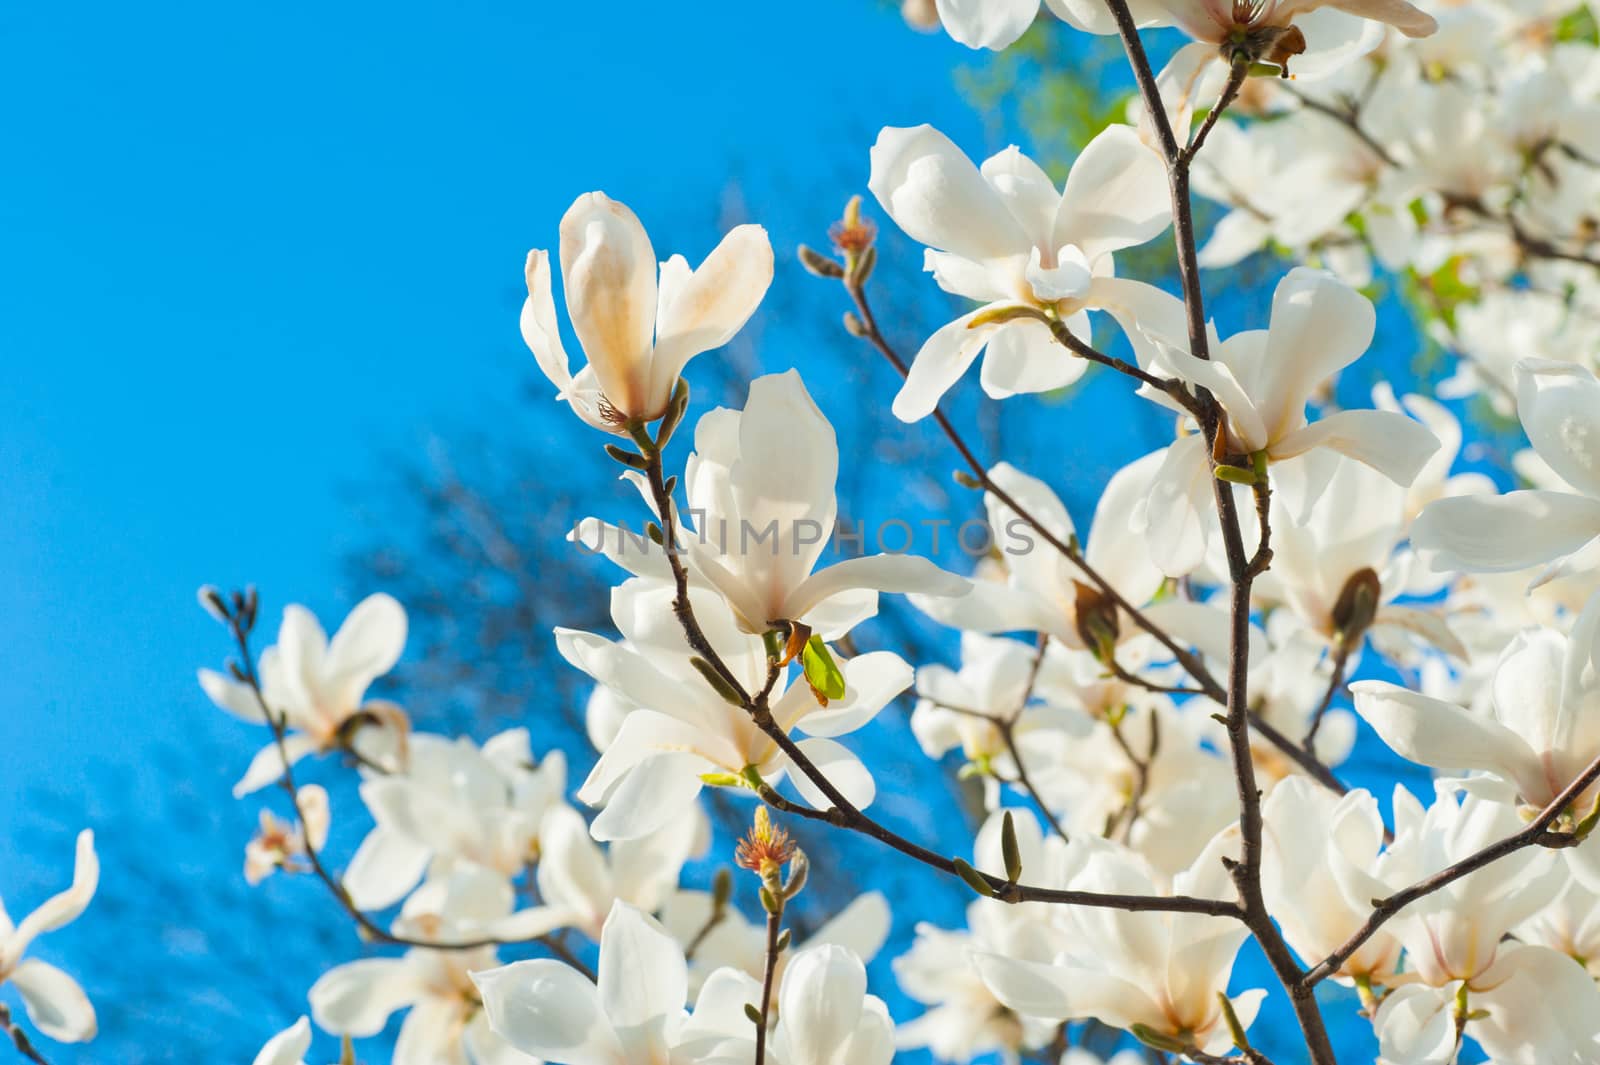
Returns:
<point x="246" y="251"/>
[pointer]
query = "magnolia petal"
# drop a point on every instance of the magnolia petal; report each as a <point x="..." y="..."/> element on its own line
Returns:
<point x="656" y="792"/>
<point x="1405" y="17"/>
<point x="366" y="646"/>
<point x="1061" y="992"/>
<point x="1026" y="190"/>
<point x="942" y="360"/>
<point x="383" y="869"/>
<point x="934" y="192"/>
<point x="841" y="768"/>
<point x="1319" y="326"/>
<point x="62" y="908"/>
<point x="643" y="977"/>
<point x="1024" y="358"/>
<point x="55" y="1003"/>
<point x="1559" y="404"/>
<point x="1116" y="195"/>
<point x="1546" y="1000"/>
<point x="610" y="271"/>
<point x="1390" y="443"/>
<point x="267" y="766"/>
<point x="904" y="574"/>
<point x="712" y="304"/>
<point x="1506" y="533"/>
<point x="1414" y="1026"/>
<point x="991" y="24"/>
<point x="1173" y="519"/>
<point x="871" y="682"/>
<point x="1177" y="82"/>
<point x="1438" y="734"/>
<point x="820" y="1002"/>
<point x="862" y="926"/>
<point x="288" y="1047"/>
<point x="540" y="329"/>
<point x="357" y="998"/>
<point x="548" y="1010"/>
<point x="238" y="699"/>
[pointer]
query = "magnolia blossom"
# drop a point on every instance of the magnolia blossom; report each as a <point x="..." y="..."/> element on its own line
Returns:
<point x="1004" y="236"/>
<point x="657" y="763"/>
<point x="638" y="331"/>
<point x="826" y="1017"/>
<point x="1163" y="972"/>
<point x="55" y="1003"/>
<point x="457" y="803"/>
<point x="633" y="1015"/>
<point x="1312" y="838"/>
<point x="1263" y="380"/>
<point x="279" y="842"/>
<point x="317" y="687"/>
<point x="1543" y="729"/>
<point x="1559" y="405"/>
<point x="288" y="1047"/>
<point x="1327" y="32"/>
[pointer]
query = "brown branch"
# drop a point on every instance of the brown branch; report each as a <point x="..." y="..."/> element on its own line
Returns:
<point x="774" y="929"/>
<point x="19" y="1038"/>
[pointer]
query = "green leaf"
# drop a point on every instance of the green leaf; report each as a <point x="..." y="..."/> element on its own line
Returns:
<point x="822" y="673"/>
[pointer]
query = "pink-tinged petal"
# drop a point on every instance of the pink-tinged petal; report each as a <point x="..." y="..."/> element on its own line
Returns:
<point x="541" y="331"/>
<point x="1506" y="533"/>
<point x="1407" y="18"/>
<point x="934" y="192"/>
<point x="711" y="305"/>
<point x="1207" y="21"/>
<point x="1116" y="196"/>
<point x="1440" y="735"/>
<point x="1559" y="404"/>
<point x="643" y="977"/>
<point x="55" y="1003"/>
<point x="610" y="271"/>
<point x="992" y="24"/>
<point x="1390" y="443"/>
<point x="1177" y="82"/>
<point x="548" y="1010"/>
<point x="941" y="362"/>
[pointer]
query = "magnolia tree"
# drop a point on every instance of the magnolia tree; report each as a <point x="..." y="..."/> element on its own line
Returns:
<point x="1156" y="707"/>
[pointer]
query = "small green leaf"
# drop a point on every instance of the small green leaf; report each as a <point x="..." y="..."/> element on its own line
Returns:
<point x="822" y="673"/>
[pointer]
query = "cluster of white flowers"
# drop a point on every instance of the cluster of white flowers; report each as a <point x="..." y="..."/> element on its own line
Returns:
<point x="1156" y="710"/>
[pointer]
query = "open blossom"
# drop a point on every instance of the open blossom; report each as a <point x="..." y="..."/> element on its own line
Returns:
<point x="654" y="767"/>
<point x="1263" y="380"/>
<point x="1003" y="235"/>
<point x="997" y="24"/>
<point x="55" y="1003"/>
<point x="1559" y="404"/>
<point x="318" y="687"/>
<point x="1544" y="726"/>
<point x="1163" y="972"/>
<point x="638" y="330"/>
<point x="457" y="803"/>
<point x="278" y="842"/>
<point x="634" y="1014"/>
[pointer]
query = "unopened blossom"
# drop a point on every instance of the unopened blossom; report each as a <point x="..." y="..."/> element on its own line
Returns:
<point x="1544" y="726"/>
<point x="456" y="803"/>
<point x="1163" y="972"/>
<point x="634" y="1014"/>
<point x="1263" y="380"/>
<point x="684" y="729"/>
<point x="997" y="24"/>
<point x="1003" y="235"/>
<point x="826" y="1017"/>
<point x="317" y="688"/>
<point x="637" y="329"/>
<point x="1559" y="404"/>
<point x="1274" y="32"/>
<point x="288" y="1047"/>
<point x="53" y="1000"/>
<point x="1312" y="836"/>
<point x="279" y="843"/>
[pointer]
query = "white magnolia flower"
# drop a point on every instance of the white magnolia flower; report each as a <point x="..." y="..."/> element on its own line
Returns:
<point x="634" y="1015"/>
<point x="1311" y="837"/>
<point x="456" y="803"/>
<point x="637" y="331"/>
<point x="826" y="1017"/>
<point x="996" y="24"/>
<point x="1161" y="971"/>
<point x="1263" y="379"/>
<point x="1559" y="404"/>
<point x="445" y="1022"/>
<point x="1570" y="924"/>
<point x="319" y="686"/>
<point x="654" y="767"/>
<point x="288" y="1047"/>
<point x="1004" y="236"/>
<point x="55" y="1003"/>
<point x="1543" y="729"/>
<point x="278" y="842"/>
